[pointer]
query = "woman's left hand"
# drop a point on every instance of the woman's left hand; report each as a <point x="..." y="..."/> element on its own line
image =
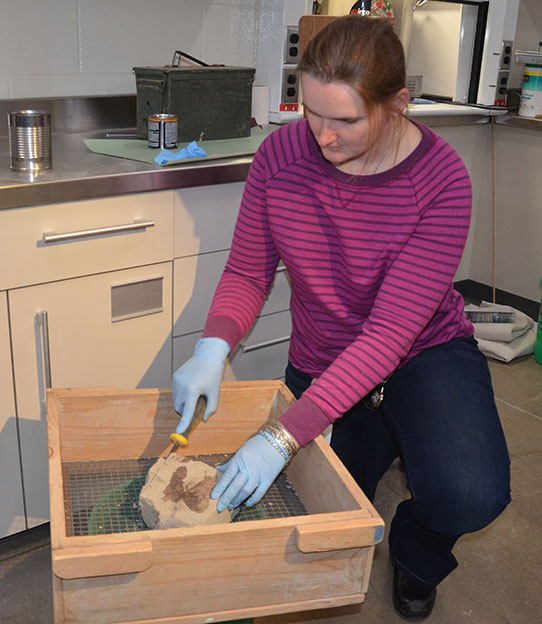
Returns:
<point x="248" y="474"/>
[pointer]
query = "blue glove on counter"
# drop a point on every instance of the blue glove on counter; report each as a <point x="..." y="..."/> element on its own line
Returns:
<point x="192" y="150"/>
<point x="249" y="473"/>
<point x="200" y="375"/>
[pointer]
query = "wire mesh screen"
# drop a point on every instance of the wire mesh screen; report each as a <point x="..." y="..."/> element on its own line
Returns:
<point x="103" y="496"/>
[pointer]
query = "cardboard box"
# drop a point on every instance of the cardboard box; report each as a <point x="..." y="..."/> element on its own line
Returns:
<point x="212" y="573"/>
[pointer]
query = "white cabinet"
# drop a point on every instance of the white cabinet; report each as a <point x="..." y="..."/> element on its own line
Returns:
<point x="112" y="329"/>
<point x="195" y="281"/>
<point x="204" y="224"/>
<point x="263" y="352"/>
<point x="205" y="218"/>
<point x="44" y="243"/>
<point x="110" y="292"/>
<point x="12" y="515"/>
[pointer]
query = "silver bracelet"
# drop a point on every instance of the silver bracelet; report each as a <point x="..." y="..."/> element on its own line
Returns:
<point x="282" y="436"/>
<point x="271" y="441"/>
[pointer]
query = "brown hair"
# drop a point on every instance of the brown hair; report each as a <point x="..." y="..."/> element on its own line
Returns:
<point x="363" y="52"/>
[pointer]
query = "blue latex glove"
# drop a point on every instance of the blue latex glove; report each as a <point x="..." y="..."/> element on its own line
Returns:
<point x="200" y="375"/>
<point x="192" y="150"/>
<point x="248" y="474"/>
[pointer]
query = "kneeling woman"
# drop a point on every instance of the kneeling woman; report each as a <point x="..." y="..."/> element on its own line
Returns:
<point x="369" y="212"/>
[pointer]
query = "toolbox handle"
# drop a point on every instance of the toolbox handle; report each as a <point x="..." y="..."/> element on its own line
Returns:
<point x="102" y="559"/>
<point x="339" y="535"/>
<point x="178" y="54"/>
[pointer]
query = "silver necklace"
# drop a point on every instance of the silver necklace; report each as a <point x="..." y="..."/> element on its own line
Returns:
<point x="388" y="145"/>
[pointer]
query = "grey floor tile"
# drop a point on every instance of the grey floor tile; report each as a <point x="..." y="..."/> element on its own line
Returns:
<point x="523" y="433"/>
<point x="26" y="588"/>
<point x="518" y="382"/>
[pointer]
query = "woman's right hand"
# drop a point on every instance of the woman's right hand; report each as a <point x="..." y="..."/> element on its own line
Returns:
<point x="201" y="375"/>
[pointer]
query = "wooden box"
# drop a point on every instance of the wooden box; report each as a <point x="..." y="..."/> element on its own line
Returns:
<point x="213" y="573"/>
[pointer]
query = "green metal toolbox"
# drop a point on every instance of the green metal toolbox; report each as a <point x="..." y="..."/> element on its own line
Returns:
<point x="210" y="101"/>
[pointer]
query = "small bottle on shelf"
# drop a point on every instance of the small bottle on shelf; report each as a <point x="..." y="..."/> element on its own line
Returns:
<point x="363" y="7"/>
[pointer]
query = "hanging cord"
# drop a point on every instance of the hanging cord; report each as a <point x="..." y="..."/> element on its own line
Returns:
<point x="493" y="216"/>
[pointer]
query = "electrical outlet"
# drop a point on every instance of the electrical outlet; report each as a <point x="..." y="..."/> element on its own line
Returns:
<point x="506" y="54"/>
<point x="290" y="87"/>
<point x="501" y="88"/>
<point x="291" y="45"/>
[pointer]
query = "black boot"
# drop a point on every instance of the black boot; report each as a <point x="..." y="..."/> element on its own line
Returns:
<point x="412" y="600"/>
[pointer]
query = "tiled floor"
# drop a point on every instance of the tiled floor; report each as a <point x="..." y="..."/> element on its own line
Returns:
<point x="498" y="580"/>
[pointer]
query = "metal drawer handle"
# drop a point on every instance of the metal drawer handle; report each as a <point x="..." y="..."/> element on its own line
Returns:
<point x="53" y="237"/>
<point x="43" y="322"/>
<point x="263" y="345"/>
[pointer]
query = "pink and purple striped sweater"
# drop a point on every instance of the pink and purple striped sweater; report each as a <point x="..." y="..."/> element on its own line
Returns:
<point x="371" y="261"/>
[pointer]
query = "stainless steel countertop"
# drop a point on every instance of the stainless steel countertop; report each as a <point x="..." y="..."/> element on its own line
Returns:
<point x="78" y="174"/>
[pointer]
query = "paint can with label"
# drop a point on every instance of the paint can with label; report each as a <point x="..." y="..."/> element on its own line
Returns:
<point x="162" y="130"/>
<point x="531" y="92"/>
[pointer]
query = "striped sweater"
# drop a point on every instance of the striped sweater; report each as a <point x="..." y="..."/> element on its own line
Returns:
<point x="371" y="261"/>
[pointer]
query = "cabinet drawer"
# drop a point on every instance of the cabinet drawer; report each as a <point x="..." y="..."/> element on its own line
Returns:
<point x="278" y="299"/>
<point x="96" y="236"/>
<point x="194" y="284"/>
<point x="183" y="348"/>
<point x="205" y="218"/>
<point x="263" y="352"/>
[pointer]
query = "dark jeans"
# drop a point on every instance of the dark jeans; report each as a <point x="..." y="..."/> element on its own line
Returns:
<point x="438" y="416"/>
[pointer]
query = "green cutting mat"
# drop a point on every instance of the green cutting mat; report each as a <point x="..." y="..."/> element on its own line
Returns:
<point x="138" y="149"/>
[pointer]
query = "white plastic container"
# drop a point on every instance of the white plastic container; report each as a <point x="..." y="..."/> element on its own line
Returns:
<point x="531" y="93"/>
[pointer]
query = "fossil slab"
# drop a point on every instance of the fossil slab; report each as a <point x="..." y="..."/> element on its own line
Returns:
<point x="177" y="493"/>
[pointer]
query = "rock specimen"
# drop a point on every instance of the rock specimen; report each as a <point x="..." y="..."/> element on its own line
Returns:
<point x="177" y="493"/>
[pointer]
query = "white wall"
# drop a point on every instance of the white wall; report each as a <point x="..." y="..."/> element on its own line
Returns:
<point x="518" y="212"/>
<point x="89" y="47"/>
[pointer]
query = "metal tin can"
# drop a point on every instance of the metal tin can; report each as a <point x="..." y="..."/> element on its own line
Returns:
<point x="162" y="130"/>
<point x="30" y="140"/>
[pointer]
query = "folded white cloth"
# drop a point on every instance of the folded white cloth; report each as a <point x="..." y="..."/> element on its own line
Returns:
<point x="504" y="332"/>
<point x="504" y="341"/>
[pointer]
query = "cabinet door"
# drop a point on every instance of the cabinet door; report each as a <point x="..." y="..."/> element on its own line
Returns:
<point x="205" y="217"/>
<point x="112" y="329"/>
<point x="12" y="517"/>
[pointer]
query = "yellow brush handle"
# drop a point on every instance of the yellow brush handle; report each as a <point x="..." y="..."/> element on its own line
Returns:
<point x="179" y="439"/>
<point x="182" y="440"/>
